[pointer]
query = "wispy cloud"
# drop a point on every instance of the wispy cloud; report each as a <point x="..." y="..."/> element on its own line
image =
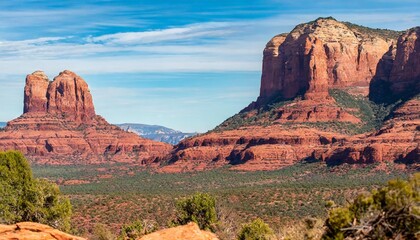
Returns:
<point x="208" y="29"/>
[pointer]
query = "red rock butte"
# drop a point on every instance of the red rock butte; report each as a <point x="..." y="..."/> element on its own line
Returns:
<point x="319" y="55"/>
<point x="59" y="126"/>
<point x="296" y="117"/>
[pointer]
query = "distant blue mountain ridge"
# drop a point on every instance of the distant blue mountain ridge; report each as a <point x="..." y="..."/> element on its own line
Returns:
<point x="156" y="132"/>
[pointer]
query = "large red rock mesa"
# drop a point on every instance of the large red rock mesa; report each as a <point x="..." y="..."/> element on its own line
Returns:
<point x="319" y="55"/>
<point x="59" y="126"/>
<point x="310" y="61"/>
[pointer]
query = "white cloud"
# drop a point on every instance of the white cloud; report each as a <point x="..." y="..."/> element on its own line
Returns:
<point x="209" y="29"/>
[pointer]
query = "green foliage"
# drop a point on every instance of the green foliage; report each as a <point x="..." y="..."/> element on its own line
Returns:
<point x="262" y="116"/>
<point x="102" y="232"/>
<point x="256" y="230"/>
<point x="137" y="229"/>
<point x="24" y="198"/>
<point x="199" y="208"/>
<point x="391" y="212"/>
<point x="132" y="231"/>
<point x="375" y="32"/>
<point x="372" y="114"/>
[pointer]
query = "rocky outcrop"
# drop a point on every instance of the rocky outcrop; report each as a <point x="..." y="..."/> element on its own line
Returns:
<point x="59" y="126"/>
<point x="250" y="148"/>
<point x="271" y="66"/>
<point x="35" y="94"/>
<point x="398" y="74"/>
<point x="398" y="140"/>
<point x="69" y="94"/>
<point x="33" y="231"/>
<point x="191" y="231"/>
<point x="319" y="55"/>
<point x="405" y="74"/>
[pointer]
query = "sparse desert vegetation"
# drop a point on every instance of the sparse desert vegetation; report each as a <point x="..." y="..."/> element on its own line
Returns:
<point x="293" y="200"/>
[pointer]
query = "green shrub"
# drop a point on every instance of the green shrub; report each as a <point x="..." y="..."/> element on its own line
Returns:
<point x="199" y="208"/>
<point x="102" y="232"/>
<point x="391" y="212"/>
<point x="24" y="198"/>
<point x="256" y="230"/>
<point x="137" y="229"/>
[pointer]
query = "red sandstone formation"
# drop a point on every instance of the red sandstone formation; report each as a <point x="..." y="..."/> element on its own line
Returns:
<point x="191" y="231"/>
<point x="398" y="75"/>
<point x="398" y="140"/>
<point x="319" y="55"/>
<point x="250" y="148"/>
<point x="405" y="74"/>
<point x="69" y="94"/>
<point x="59" y="126"/>
<point x="35" y="95"/>
<point x="313" y="58"/>
<point x="33" y="231"/>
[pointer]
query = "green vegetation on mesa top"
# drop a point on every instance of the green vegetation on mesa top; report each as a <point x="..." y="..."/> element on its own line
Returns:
<point x="375" y="32"/>
<point x="264" y="116"/>
<point x="372" y="115"/>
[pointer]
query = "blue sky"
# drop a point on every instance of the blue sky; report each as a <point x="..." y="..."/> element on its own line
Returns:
<point x="187" y="65"/>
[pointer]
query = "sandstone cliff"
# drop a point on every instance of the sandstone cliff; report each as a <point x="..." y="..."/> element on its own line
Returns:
<point x="319" y="55"/>
<point x="313" y="104"/>
<point x="59" y="126"/>
<point x="398" y="75"/>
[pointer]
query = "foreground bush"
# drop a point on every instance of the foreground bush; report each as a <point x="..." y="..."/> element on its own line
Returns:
<point x="256" y="230"/>
<point x="391" y="212"/>
<point x="102" y="232"/>
<point x="137" y="229"/>
<point x="24" y="198"/>
<point x="199" y="208"/>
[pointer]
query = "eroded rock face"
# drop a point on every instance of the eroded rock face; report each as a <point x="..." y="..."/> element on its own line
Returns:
<point x="405" y="74"/>
<point x="191" y="231"/>
<point x="250" y="148"/>
<point x="33" y="231"/>
<point x="35" y="94"/>
<point x="319" y="55"/>
<point x="59" y="126"/>
<point x="271" y="66"/>
<point x="398" y="140"/>
<point x="398" y="73"/>
<point x="69" y="94"/>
